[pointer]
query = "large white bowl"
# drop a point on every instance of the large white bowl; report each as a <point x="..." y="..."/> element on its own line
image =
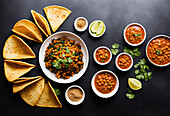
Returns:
<point x="102" y="95"/>
<point x="157" y="36"/>
<point x="71" y="36"/>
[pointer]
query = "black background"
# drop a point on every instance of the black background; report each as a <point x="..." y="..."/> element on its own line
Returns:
<point x="152" y="100"/>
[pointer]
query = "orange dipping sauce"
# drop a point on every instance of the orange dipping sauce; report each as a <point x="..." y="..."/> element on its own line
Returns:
<point x="158" y="50"/>
<point x="105" y="82"/>
<point x="124" y="61"/>
<point x="102" y="55"/>
<point x="134" y="34"/>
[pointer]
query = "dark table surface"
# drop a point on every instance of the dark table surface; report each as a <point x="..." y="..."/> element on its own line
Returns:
<point x="152" y="100"/>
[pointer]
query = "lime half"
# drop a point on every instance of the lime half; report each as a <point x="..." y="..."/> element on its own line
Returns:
<point x="100" y="29"/>
<point x="94" y="27"/>
<point x="134" y="84"/>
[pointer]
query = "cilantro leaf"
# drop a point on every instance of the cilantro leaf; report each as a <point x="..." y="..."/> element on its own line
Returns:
<point x="137" y="72"/>
<point x="114" y="51"/>
<point x="115" y="45"/>
<point x="130" y="95"/>
<point x="69" y="60"/>
<point x="138" y="34"/>
<point x="135" y="49"/>
<point x="67" y="50"/>
<point x="57" y="91"/>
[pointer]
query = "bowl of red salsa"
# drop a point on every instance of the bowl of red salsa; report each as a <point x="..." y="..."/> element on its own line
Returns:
<point x="102" y="55"/>
<point x="158" y="50"/>
<point x="134" y="34"/>
<point x="105" y="83"/>
<point x="124" y="61"/>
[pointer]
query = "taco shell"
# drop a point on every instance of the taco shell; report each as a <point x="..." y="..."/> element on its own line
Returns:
<point x="41" y="22"/>
<point x="48" y="97"/>
<point x="28" y="30"/>
<point x="56" y="15"/>
<point x="32" y="93"/>
<point x="20" y="86"/>
<point x="23" y="79"/>
<point x="15" y="69"/>
<point x="16" y="48"/>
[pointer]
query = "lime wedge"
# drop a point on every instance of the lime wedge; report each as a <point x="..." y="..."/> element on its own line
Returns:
<point x="100" y="29"/>
<point x="134" y="84"/>
<point x="94" y="27"/>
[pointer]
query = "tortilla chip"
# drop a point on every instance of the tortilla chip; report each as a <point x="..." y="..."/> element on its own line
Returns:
<point x="28" y="30"/>
<point x="32" y="93"/>
<point x="41" y="22"/>
<point x="48" y="97"/>
<point x="23" y="79"/>
<point x="56" y="15"/>
<point x="15" y="69"/>
<point x="16" y="48"/>
<point x="20" y="86"/>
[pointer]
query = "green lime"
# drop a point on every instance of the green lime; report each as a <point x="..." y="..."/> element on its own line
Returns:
<point x="100" y="29"/>
<point x="94" y="27"/>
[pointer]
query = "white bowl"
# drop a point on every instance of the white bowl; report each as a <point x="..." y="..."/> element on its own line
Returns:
<point x="84" y="28"/>
<point x="71" y="102"/>
<point x="157" y="36"/>
<point x="125" y="32"/>
<point x="121" y="68"/>
<point x="101" y="94"/>
<point x="50" y="74"/>
<point x="95" y="56"/>
<point x="94" y="35"/>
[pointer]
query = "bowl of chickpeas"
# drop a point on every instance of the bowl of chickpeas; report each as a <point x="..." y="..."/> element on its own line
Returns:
<point x="158" y="50"/>
<point x="102" y="55"/>
<point x="105" y="83"/>
<point x="124" y="61"/>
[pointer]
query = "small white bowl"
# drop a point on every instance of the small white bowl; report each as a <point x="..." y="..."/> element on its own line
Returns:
<point x="101" y="94"/>
<point x="121" y="68"/>
<point x="94" y="35"/>
<point x="125" y="32"/>
<point x="84" y="28"/>
<point x="157" y="36"/>
<point x="94" y="56"/>
<point x="71" y="102"/>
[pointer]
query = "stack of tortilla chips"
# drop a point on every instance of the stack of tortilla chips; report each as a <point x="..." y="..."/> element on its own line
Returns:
<point x="34" y="90"/>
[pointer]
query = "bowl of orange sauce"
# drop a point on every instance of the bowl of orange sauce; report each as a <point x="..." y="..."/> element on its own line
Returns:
<point x="105" y="83"/>
<point x="102" y="55"/>
<point x="134" y="34"/>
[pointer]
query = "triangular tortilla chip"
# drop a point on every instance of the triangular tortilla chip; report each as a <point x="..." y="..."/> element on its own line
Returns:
<point x="56" y="15"/>
<point x="30" y="31"/>
<point x="48" y="97"/>
<point x="16" y="48"/>
<point x="15" y="69"/>
<point x="20" y="86"/>
<point x="41" y="22"/>
<point x="32" y="93"/>
<point x="23" y="79"/>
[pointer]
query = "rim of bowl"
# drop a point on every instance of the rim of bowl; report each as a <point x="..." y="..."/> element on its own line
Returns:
<point x="94" y="35"/>
<point x="125" y="32"/>
<point x="71" y="102"/>
<point x="121" y="68"/>
<point x="84" y="28"/>
<point x="101" y="94"/>
<point x="147" y="47"/>
<point x="94" y="57"/>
